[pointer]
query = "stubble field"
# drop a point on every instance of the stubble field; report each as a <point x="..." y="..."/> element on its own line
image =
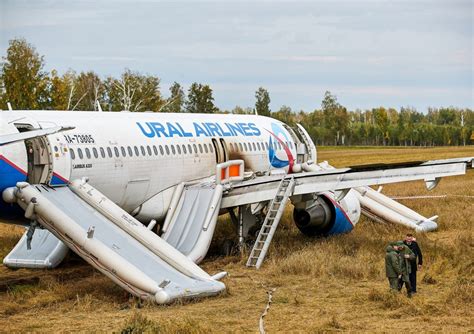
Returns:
<point x="320" y="285"/>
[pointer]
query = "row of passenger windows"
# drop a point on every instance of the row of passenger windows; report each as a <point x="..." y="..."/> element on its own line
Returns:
<point x="131" y="151"/>
<point x="139" y="150"/>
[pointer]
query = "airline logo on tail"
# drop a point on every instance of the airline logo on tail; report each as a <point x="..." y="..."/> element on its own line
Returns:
<point x="275" y="161"/>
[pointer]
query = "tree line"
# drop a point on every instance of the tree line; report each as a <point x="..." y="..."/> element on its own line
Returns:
<point x="25" y="84"/>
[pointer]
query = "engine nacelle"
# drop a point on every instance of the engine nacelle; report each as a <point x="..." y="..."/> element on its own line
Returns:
<point x="323" y="215"/>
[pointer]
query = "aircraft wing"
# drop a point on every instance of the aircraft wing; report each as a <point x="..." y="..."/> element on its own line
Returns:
<point x="263" y="188"/>
<point x="15" y="137"/>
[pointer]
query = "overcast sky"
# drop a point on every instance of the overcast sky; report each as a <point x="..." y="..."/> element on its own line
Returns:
<point x="368" y="53"/>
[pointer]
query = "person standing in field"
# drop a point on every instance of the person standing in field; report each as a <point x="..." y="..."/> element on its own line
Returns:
<point x="393" y="269"/>
<point x="406" y="256"/>
<point x="415" y="263"/>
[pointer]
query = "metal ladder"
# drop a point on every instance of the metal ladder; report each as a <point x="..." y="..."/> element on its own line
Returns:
<point x="270" y="224"/>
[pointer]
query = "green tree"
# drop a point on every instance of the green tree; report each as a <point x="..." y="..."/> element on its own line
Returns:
<point x="336" y="118"/>
<point x="176" y="101"/>
<point x="285" y="115"/>
<point x="24" y="82"/>
<point x="382" y="123"/>
<point x="262" y="105"/>
<point x="200" y="99"/>
<point x="133" y="92"/>
<point x="238" y="110"/>
<point x="87" y="88"/>
<point x="58" y="91"/>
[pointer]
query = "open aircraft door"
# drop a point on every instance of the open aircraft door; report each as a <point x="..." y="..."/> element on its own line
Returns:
<point x="220" y="150"/>
<point x="62" y="163"/>
<point x="39" y="153"/>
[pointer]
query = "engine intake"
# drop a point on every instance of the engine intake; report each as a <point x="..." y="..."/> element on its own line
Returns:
<point x="316" y="219"/>
<point x="322" y="215"/>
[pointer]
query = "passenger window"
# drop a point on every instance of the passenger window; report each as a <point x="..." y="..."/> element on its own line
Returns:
<point x="173" y="150"/>
<point x="254" y="147"/>
<point x="102" y="152"/>
<point x="136" y="151"/>
<point x="190" y="149"/>
<point x="266" y="145"/>
<point x="73" y="155"/>
<point x="184" y="149"/>
<point x="245" y="147"/>
<point x="205" y="148"/>
<point x="167" y="150"/>
<point x="161" y="150"/>
<point x="94" y="150"/>
<point x="178" y="148"/>
<point x="109" y="152"/>
<point x="148" y="149"/>
<point x="124" y="154"/>
<point x="88" y="153"/>
<point x="200" y="148"/>
<point x="241" y="147"/>
<point x="211" y="148"/>
<point x="142" y="149"/>
<point x="117" y="154"/>
<point x="155" y="150"/>
<point x="79" y="152"/>
<point x="130" y="152"/>
<point x="195" y="148"/>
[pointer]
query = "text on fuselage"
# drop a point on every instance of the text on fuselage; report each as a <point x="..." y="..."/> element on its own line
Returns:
<point x="205" y="129"/>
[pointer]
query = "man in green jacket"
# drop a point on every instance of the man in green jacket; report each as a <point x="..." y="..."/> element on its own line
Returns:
<point x="393" y="268"/>
<point x="405" y="255"/>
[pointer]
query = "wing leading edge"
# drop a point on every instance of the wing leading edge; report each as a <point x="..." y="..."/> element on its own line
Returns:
<point x="263" y="188"/>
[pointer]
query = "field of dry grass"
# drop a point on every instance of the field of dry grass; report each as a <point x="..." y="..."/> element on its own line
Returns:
<point x="322" y="285"/>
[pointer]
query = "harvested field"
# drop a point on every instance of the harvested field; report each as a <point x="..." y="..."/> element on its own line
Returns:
<point x="333" y="284"/>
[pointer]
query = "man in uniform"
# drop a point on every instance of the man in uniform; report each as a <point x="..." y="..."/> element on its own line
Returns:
<point x="392" y="266"/>
<point x="405" y="256"/>
<point x="411" y="243"/>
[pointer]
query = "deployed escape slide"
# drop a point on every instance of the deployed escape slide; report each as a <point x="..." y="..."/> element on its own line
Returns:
<point x="44" y="251"/>
<point x="113" y="242"/>
<point x="191" y="220"/>
<point x="192" y="215"/>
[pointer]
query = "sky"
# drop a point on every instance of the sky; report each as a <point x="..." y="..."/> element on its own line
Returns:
<point x="367" y="53"/>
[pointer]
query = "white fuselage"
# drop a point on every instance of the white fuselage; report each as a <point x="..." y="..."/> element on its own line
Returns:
<point x="133" y="157"/>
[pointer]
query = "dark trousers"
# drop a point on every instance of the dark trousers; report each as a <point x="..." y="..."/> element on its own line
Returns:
<point x="412" y="277"/>
<point x="410" y="282"/>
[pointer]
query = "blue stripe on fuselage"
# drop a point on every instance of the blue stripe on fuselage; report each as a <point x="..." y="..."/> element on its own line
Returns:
<point x="9" y="176"/>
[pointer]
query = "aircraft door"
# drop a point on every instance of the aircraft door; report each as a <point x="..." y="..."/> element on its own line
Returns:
<point x="62" y="163"/>
<point x="39" y="154"/>
<point x="220" y="150"/>
<point x="224" y="150"/>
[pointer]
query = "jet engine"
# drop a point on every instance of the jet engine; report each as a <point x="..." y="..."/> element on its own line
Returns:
<point x="322" y="215"/>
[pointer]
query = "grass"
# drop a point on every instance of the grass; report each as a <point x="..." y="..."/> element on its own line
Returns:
<point x="322" y="285"/>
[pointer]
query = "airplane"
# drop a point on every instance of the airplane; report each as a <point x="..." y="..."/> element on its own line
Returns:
<point x="137" y="195"/>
